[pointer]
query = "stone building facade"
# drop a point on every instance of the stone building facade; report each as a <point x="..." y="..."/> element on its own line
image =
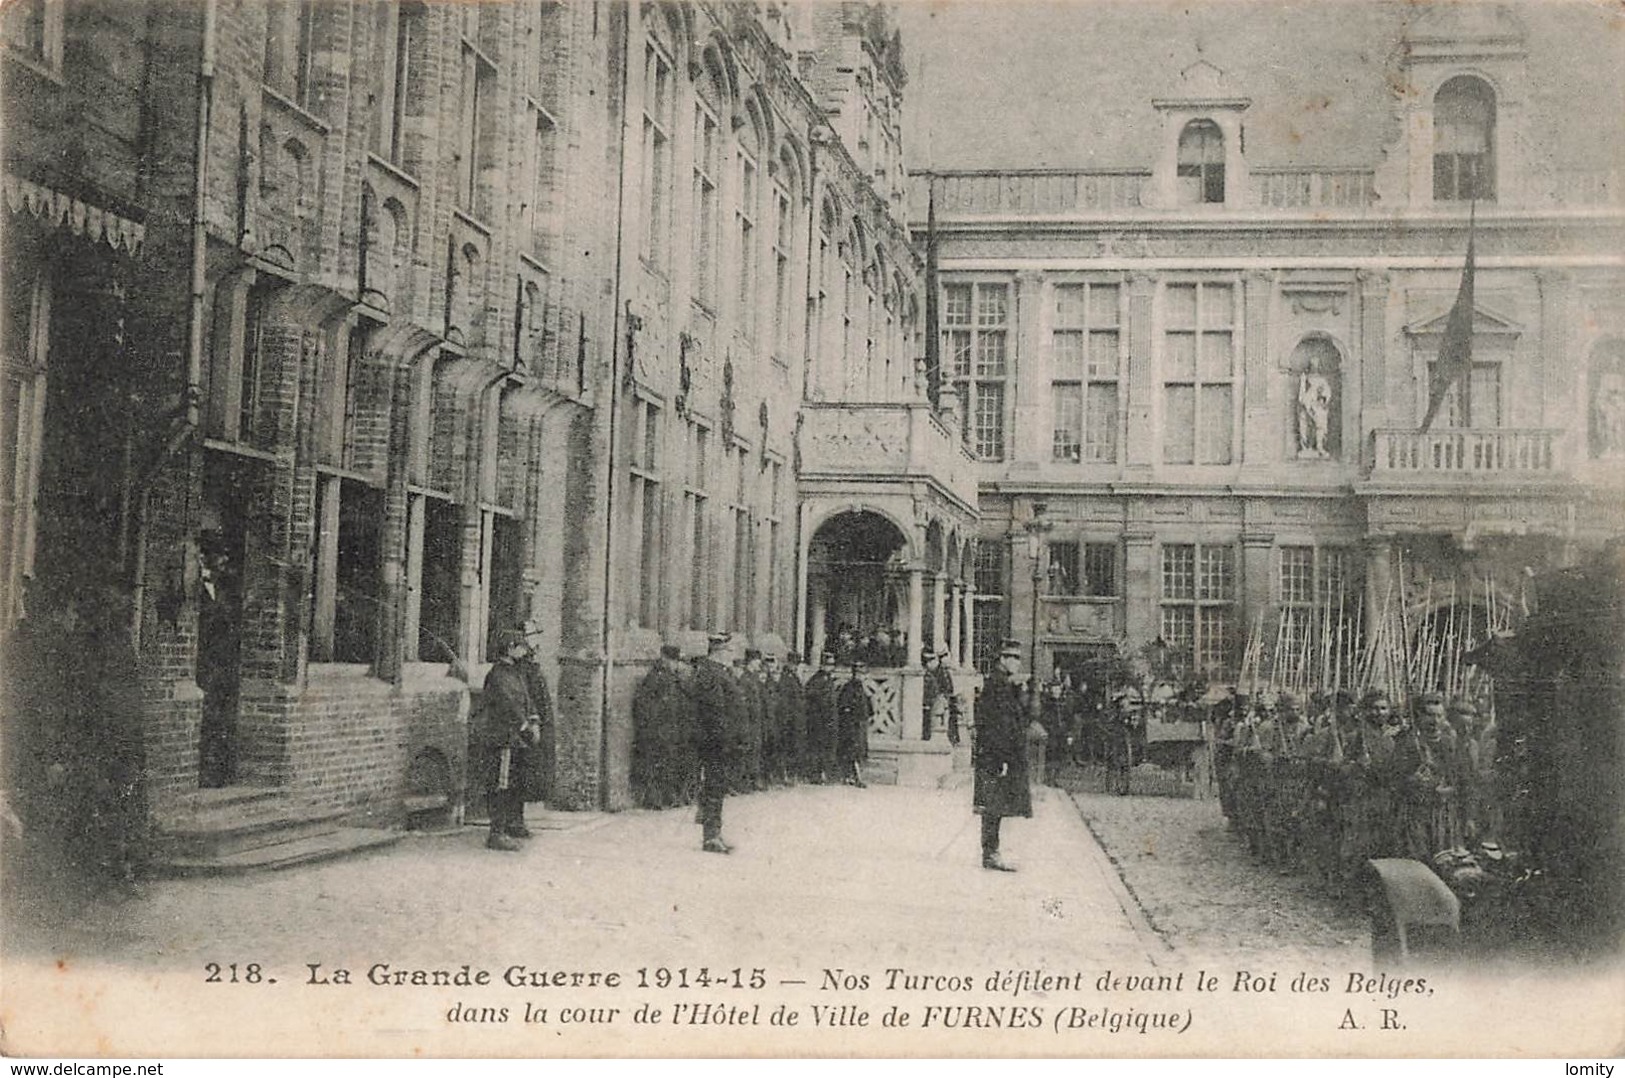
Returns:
<point x="1195" y="379"/>
<point x="426" y="320"/>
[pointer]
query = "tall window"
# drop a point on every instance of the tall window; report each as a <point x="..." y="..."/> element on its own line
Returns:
<point x="1474" y="401"/>
<point x="1201" y="163"/>
<point x="658" y="103"/>
<point x="746" y="213"/>
<point x="1464" y="141"/>
<point x="775" y="530"/>
<point x="1084" y="361"/>
<point x="1085" y="570"/>
<point x="27" y="333"/>
<point x="824" y="276"/>
<point x="290" y="50"/>
<point x="348" y="587"/>
<point x="643" y="506"/>
<point x="744" y="561"/>
<point x="990" y="611"/>
<point x="1198" y="374"/>
<point x="478" y="81"/>
<point x="398" y="34"/>
<point x="1607" y="400"/>
<point x="434" y="540"/>
<point x="697" y="531"/>
<point x="707" y="168"/>
<point x="1198" y="599"/>
<point x="976" y="329"/>
<point x="784" y="224"/>
<point x="541" y="182"/>
<point x="1315" y="597"/>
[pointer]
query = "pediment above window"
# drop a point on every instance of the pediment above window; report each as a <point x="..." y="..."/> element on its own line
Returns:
<point x="1485" y="322"/>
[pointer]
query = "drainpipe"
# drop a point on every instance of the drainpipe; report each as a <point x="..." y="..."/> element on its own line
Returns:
<point x="185" y="425"/>
<point x="616" y="348"/>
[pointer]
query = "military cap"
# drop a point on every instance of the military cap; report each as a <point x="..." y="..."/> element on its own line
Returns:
<point x="770" y="659"/>
<point x="1374" y="696"/>
<point x="752" y="653"/>
<point x="670" y="651"/>
<point x="510" y="638"/>
<point x="1463" y="706"/>
<point x="1011" y="647"/>
<point x="1431" y="699"/>
<point x="828" y="658"/>
<point x="792" y="658"/>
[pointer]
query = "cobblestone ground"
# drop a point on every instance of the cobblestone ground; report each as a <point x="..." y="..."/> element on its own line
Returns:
<point x="1206" y="895"/>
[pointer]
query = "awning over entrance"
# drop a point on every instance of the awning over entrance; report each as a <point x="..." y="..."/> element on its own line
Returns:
<point x="58" y="210"/>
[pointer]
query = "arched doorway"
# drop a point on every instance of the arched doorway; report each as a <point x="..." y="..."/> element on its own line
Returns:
<point x="857" y="584"/>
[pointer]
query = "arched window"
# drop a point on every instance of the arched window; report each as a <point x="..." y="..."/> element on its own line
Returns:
<point x="1201" y="163"/>
<point x="1318" y="399"/>
<point x="659" y="97"/>
<point x="708" y="107"/>
<point x="1607" y="406"/>
<point x="747" y="211"/>
<point x="1464" y="141"/>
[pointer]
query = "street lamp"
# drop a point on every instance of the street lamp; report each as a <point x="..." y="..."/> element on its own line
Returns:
<point x="1037" y="528"/>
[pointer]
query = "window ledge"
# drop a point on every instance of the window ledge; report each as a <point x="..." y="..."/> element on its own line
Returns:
<point x="393" y="170"/>
<point x="287" y="104"/>
<point x="473" y="222"/>
<point x="356" y="674"/>
<point x="44" y="69"/>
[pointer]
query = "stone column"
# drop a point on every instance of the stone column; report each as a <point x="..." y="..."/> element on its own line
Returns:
<point x="956" y="631"/>
<point x="913" y="695"/>
<point x="1261" y="381"/>
<point x="939" y="621"/>
<point x="1380" y="597"/>
<point x="1140" y="584"/>
<point x="967" y="654"/>
<point x="1371" y="362"/>
<point x="819" y="611"/>
<point x="1140" y="385"/>
<point x="1257" y="577"/>
<point x="1029" y="437"/>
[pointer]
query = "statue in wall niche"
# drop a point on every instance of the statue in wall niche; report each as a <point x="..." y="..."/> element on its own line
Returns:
<point x="1608" y="415"/>
<point x="1314" y="414"/>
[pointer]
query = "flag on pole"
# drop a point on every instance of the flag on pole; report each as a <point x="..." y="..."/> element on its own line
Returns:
<point x="1455" y="360"/>
<point x="933" y="334"/>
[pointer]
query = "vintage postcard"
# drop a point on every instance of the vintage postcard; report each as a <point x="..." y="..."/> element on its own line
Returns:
<point x="938" y="528"/>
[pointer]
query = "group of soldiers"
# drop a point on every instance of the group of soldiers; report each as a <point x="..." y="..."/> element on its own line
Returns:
<point x="714" y="726"/>
<point x="1326" y="786"/>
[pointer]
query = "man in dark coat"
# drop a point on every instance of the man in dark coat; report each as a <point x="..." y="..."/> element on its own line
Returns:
<point x="791" y="713"/>
<point x="718" y="712"/>
<point x="852" y="712"/>
<point x="509" y="724"/>
<point x="754" y="695"/>
<point x="663" y="759"/>
<point x="534" y="763"/>
<point x="819" y="698"/>
<point x="939" y="698"/>
<point x="999" y="752"/>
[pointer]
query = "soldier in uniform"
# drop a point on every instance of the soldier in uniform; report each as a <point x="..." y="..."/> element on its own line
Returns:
<point x="791" y="709"/>
<point x="663" y="760"/>
<point x="852" y="713"/>
<point x="754" y="695"/>
<point x="718" y="710"/>
<point x="999" y="752"/>
<point x="1121" y="732"/>
<point x="509" y="724"/>
<point x="535" y="761"/>
<point x="820" y="708"/>
<point x="939" y="696"/>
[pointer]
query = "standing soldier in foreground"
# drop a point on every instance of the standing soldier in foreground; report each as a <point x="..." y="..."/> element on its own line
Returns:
<point x="663" y="734"/>
<point x="819" y="698"/>
<point x="718" y="713"/>
<point x="853" y="711"/>
<point x="999" y="753"/>
<point x="536" y="761"/>
<point x="508" y="726"/>
<point x="792" y="721"/>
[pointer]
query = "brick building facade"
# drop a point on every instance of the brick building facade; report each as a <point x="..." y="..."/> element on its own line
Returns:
<point x="423" y="320"/>
<point x="1195" y="375"/>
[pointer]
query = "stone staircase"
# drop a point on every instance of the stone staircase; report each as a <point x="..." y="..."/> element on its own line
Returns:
<point x="235" y="830"/>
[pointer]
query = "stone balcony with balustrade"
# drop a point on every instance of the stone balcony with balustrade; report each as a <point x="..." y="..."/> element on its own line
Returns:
<point x="897" y="441"/>
<point x="1474" y="455"/>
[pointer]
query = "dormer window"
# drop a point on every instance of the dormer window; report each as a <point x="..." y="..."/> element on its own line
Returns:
<point x="1201" y="163"/>
<point x="1464" y="141"/>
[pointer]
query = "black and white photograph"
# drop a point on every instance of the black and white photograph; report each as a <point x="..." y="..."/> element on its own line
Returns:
<point x="812" y="529"/>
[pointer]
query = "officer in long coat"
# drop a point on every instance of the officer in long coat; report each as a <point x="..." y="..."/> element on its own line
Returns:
<point x="999" y="752"/>
<point x="853" y="711"/>
<point x="509" y="724"/>
<point x="820" y="706"/>
<point x="663" y="758"/>
<point x="534" y="763"/>
<point x="718" y="718"/>
<point x="791" y="710"/>
<point x="939" y="699"/>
